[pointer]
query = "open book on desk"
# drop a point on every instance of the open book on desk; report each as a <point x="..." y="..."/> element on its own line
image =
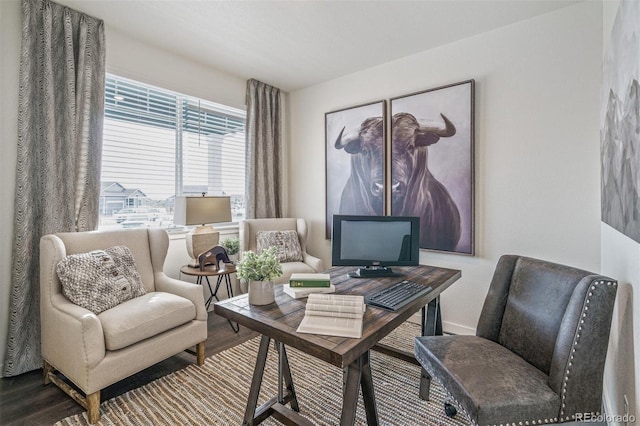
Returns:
<point x="333" y="315"/>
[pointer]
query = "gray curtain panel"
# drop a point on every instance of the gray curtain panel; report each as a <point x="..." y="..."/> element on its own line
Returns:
<point x="60" y="118"/>
<point x="264" y="187"/>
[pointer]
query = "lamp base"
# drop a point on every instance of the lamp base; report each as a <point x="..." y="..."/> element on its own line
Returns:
<point x="201" y="239"/>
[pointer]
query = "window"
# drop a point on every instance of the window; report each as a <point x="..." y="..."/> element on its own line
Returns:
<point x="158" y="144"/>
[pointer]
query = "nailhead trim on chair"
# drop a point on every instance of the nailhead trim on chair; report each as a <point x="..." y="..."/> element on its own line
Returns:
<point x="565" y="380"/>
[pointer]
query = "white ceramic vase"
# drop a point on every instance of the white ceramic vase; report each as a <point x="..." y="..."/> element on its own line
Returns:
<point x="261" y="292"/>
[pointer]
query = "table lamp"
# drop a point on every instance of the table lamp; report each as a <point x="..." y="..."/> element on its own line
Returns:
<point x="201" y="211"/>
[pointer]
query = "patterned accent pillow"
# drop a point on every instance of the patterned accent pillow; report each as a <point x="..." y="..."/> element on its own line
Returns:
<point x="286" y="242"/>
<point x="101" y="279"/>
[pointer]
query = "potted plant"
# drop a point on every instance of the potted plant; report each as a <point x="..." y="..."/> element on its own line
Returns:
<point x="258" y="271"/>
<point x="232" y="246"/>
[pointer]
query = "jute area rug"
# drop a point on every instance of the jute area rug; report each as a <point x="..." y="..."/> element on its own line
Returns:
<point x="216" y="393"/>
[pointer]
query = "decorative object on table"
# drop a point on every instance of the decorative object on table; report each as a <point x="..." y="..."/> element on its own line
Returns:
<point x="213" y="257"/>
<point x="619" y="138"/>
<point x="302" y="292"/>
<point x="232" y="246"/>
<point x="333" y="315"/>
<point x="201" y="211"/>
<point x="309" y="280"/>
<point x="259" y="270"/>
<point x="355" y="158"/>
<point x="432" y="164"/>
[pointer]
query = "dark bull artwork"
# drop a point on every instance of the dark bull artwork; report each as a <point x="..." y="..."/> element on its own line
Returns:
<point x="364" y="190"/>
<point x="431" y="167"/>
<point x="355" y="147"/>
<point x="414" y="189"/>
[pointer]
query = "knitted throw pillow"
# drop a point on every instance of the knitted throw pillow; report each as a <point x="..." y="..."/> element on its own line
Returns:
<point x="286" y="242"/>
<point x="101" y="279"/>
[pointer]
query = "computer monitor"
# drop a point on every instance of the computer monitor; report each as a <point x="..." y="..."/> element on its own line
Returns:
<point x="374" y="243"/>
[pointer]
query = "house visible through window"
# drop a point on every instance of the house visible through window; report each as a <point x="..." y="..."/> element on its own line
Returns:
<point x="159" y="144"/>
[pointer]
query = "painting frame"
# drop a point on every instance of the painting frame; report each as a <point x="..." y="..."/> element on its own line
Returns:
<point x="432" y="179"/>
<point x="340" y="161"/>
<point x="619" y="139"/>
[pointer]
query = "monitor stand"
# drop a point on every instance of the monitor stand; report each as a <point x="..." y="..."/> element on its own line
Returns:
<point x="372" y="272"/>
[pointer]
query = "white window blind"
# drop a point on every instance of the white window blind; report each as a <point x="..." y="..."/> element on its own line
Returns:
<point x="158" y="144"/>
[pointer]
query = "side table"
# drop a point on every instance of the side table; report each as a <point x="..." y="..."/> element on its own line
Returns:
<point x="224" y="273"/>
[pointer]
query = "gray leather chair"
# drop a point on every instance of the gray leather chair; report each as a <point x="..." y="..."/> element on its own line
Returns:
<point x="539" y="351"/>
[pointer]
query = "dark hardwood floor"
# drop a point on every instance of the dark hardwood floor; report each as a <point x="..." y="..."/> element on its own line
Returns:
<point x="24" y="400"/>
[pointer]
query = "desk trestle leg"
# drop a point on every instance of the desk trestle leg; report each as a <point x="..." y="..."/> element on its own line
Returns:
<point x="275" y="406"/>
<point x="432" y="319"/>
<point x="256" y="382"/>
<point x="358" y="374"/>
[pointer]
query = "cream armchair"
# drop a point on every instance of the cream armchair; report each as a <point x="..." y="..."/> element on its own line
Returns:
<point x="250" y="227"/>
<point x="95" y="351"/>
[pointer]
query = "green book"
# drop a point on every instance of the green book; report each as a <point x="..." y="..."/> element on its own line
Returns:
<point x="309" y="280"/>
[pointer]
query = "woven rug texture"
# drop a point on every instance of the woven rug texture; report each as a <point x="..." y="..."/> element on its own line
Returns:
<point x="216" y="393"/>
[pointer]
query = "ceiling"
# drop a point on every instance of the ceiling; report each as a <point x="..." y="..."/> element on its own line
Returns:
<point x="295" y="44"/>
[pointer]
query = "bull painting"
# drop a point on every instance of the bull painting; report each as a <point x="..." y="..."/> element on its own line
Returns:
<point x="363" y="193"/>
<point x="414" y="189"/>
<point x="432" y="164"/>
<point x="355" y="150"/>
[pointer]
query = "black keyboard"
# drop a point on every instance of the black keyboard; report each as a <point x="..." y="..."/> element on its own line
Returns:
<point x="398" y="295"/>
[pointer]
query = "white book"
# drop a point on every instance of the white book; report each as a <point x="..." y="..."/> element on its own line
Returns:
<point x="336" y="299"/>
<point x="336" y="315"/>
<point x="335" y="308"/>
<point x="302" y="292"/>
<point x="331" y="326"/>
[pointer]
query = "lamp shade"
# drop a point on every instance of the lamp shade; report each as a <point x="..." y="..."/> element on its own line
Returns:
<point x="201" y="210"/>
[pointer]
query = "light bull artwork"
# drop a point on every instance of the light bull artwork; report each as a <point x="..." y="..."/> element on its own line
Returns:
<point x="414" y="189"/>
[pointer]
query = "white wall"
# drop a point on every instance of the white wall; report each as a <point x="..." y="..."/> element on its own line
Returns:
<point x="131" y="58"/>
<point x="620" y="257"/>
<point x="537" y="149"/>
<point x="126" y="57"/>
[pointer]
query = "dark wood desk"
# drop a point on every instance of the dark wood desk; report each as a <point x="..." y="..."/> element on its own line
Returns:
<point x="280" y="320"/>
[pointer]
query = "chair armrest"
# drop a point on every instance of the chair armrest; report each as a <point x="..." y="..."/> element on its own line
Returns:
<point x="312" y="261"/>
<point x="187" y="290"/>
<point x="65" y="326"/>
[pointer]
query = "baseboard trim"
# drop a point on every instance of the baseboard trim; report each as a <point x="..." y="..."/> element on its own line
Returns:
<point x="447" y="327"/>
<point x="607" y="409"/>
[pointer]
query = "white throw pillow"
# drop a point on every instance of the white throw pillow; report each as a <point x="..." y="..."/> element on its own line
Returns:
<point x="101" y="279"/>
<point x="286" y="243"/>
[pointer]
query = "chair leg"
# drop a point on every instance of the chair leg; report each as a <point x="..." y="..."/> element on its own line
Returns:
<point x="200" y="353"/>
<point x="46" y="369"/>
<point x="425" y="384"/>
<point x="93" y="407"/>
<point x="90" y="402"/>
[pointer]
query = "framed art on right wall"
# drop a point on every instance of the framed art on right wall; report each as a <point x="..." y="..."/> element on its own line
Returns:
<point x="432" y="165"/>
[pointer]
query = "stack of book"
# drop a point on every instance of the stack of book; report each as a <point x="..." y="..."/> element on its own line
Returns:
<point x="302" y="285"/>
<point x="333" y="315"/>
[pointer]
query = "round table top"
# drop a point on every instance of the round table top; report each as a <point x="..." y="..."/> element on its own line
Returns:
<point x="209" y="270"/>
